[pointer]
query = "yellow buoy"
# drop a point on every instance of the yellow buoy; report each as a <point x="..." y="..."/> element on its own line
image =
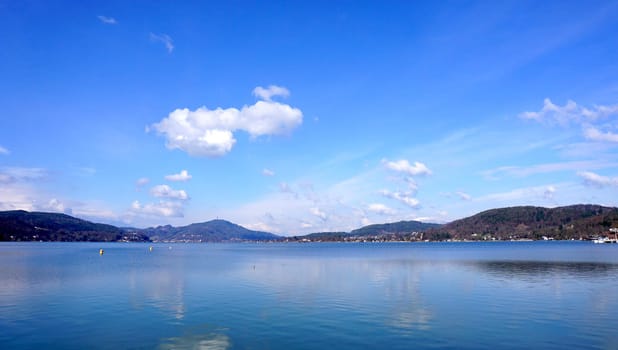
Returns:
<point x="101" y="251"/>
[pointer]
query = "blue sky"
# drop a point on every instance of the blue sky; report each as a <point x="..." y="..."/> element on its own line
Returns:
<point x="297" y="117"/>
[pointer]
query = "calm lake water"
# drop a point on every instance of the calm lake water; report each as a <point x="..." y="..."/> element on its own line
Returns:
<point x="524" y="295"/>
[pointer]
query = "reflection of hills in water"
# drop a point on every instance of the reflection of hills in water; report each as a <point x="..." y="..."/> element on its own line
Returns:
<point x="532" y="269"/>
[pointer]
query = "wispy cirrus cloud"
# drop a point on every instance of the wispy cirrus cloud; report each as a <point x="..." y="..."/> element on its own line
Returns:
<point x="594" y="134"/>
<point x="319" y="213"/>
<point x="463" y="195"/>
<point x="381" y="209"/>
<point x="4" y="151"/>
<point x="523" y="171"/>
<point x="210" y="133"/>
<point x="18" y="174"/>
<point x="594" y="179"/>
<point x="164" y="39"/>
<point x="518" y="195"/>
<point x="107" y="20"/>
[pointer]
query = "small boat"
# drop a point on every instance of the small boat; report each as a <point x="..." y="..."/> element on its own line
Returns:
<point x="604" y="240"/>
<point x="607" y="239"/>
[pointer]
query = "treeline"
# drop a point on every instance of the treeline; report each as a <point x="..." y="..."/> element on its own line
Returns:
<point x="528" y="222"/>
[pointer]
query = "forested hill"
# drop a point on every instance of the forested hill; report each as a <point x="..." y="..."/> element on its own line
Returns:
<point x="402" y="230"/>
<point x="401" y="227"/>
<point x="575" y="221"/>
<point x="19" y="225"/>
<point x="210" y="231"/>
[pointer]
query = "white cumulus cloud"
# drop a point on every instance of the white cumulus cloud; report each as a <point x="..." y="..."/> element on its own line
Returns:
<point x="4" y="150"/>
<point x="268" y="93"/>
<point x="210" y="132"/>
<point x="164" y="191"/>
<point x="161" y="208"/>
<point x="594" y="179"/>
<point x="404" y="166"/>
<point x="182" y="176"/>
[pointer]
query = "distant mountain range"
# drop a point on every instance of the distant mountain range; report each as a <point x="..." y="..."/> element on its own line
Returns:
<point x="526" y="222"/>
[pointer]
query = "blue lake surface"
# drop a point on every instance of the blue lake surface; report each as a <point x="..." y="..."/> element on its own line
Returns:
<point x="506" y="295"/>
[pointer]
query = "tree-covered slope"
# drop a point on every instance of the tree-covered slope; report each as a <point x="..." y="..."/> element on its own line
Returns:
<point x="401" y="227"/>
<point x="19" y="225"/>
<point x="210" y="231"/>
<point x="568" y="222"/>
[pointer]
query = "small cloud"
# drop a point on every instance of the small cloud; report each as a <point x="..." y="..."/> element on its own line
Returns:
<point x="107" y="20"/>
<point x="380" y="208"/>
<point x="4" y="151"/>
<point x="593" y="179"/>
<point x="403" y="166"/>
<point x="284" y="187"/>
<point x="268" y="172"/>
<point x="555" y="114"/>
<point x="17" y="174"/>
<point x="549" y="192"/>
<point x="463" y="195"/>
<point x="165" y="39"/>
<point x="403" y="197"/>
<point x="161" y="208"/>
<point x="317" y="212"/>
<point x="164" y="191"/>
<point x="182" y="176"/>
<point x="365" y="221"/>
<point x="268" y="93"/>
<point x="594" y="134"/>
<point x="305" y="225"/>
<point x="412" y="185"/>
<point x="54" y="205"/>
<point x="142" y="181"/>
<point x="259" y="226"/>
<point x="569" y="113"/>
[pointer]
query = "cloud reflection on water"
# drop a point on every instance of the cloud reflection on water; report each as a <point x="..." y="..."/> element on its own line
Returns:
<point x="201" y="340"/>
<point x="348" y="285"/>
